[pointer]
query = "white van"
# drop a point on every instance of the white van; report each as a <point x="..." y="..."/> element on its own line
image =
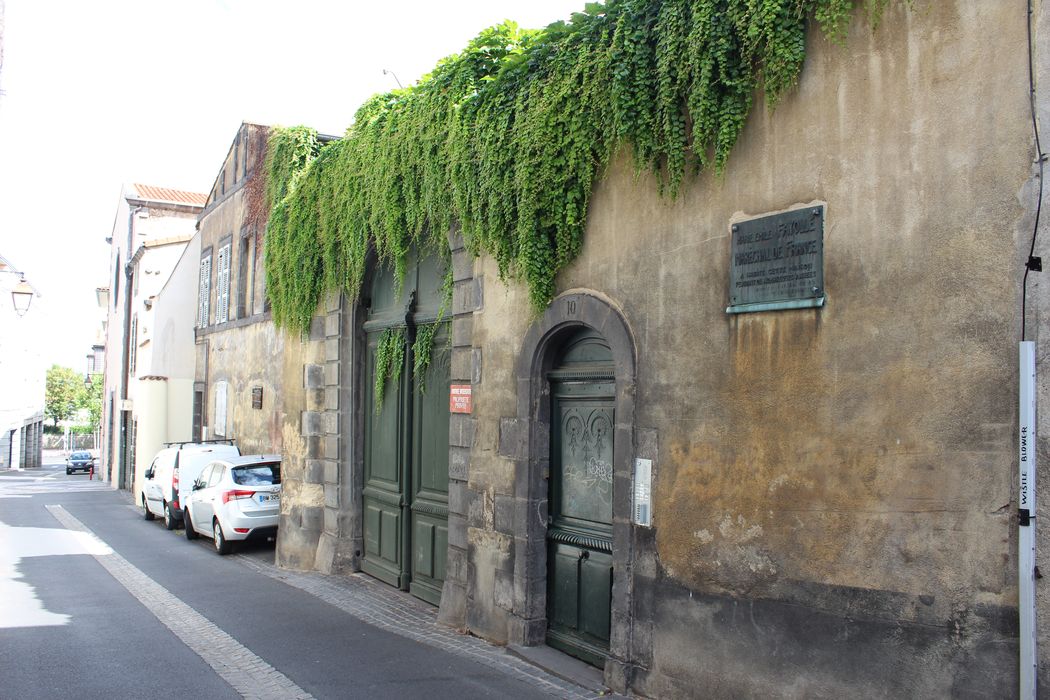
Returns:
<point x="170" y="477"/>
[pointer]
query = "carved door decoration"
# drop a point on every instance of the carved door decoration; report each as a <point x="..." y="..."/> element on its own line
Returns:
<point x="405" y="495"/>
<point x="579" y="533"/>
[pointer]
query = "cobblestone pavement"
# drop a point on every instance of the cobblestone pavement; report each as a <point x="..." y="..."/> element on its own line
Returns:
<point x="399" y="613"/>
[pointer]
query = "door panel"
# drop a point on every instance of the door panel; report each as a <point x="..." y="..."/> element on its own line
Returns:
<point x="564" y="570"/>
<point x="579" y="534"/>
<point x="406" y="444"/>
<point x="388" y="536"/>
<point x="423" y="546"/>
<point x="595" y="595"/>
<point x="382" y="493"/>
<point x="373" y="516"/>
<point x="586" y="462"/>
<point x="430" y="474"/>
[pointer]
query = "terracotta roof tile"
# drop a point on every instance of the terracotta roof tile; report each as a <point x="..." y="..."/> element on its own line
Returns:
<point x="166" y="194"/>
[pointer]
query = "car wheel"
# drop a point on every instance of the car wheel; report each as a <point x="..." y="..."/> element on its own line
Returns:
<point x="68" y="471"/>
<point x="145" y="509"/>
<point x="191" y="534"/>
<point x="221" y="545"/>
<point x="169" y="517"/>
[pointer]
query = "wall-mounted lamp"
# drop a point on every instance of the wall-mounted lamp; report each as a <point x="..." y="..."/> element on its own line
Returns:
<point x="22" y="297"/>
<point x="22" y="294"/>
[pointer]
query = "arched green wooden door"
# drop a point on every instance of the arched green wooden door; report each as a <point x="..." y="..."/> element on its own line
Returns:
<point x="405" y="494"/>
<point x="579" y="533"/>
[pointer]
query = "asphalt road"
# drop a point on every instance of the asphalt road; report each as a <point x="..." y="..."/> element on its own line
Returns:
<point x="112" y="645"/>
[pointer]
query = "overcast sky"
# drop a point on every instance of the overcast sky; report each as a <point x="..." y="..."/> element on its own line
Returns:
<point x="95" y="94"/>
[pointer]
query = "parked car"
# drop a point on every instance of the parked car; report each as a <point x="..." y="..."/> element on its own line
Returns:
<point x="235" y="499"/>
<point x="79" y="462"/>
<point x="172" y="473"/>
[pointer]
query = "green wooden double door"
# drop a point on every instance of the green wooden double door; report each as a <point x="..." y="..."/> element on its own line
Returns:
<point x="405" y="494"/>
<point x="579" y="532"/>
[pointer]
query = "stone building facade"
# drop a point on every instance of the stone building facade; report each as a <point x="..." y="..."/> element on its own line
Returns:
<point x="237" y="390"/>
<point x="833" y="499"/>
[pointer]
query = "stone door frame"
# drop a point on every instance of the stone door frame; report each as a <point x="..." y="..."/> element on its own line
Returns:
<point x="567" y="314"/>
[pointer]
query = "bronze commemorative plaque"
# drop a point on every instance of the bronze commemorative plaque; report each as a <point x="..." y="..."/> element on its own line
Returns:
<point x="778" y="262"/>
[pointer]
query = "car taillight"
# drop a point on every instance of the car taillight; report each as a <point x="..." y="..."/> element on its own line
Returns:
<point x="241" y="530"/>
<point x="175" y="487"/>
<point x="228" y="496"/>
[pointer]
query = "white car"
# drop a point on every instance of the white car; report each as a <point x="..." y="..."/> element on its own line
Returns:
<point x="166" y="483"/>
<point x="235" y="499"/>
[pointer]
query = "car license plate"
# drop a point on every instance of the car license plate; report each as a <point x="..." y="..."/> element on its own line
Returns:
<point x="269" y="497"/>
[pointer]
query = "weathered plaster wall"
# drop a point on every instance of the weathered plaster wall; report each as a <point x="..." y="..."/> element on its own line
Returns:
<point x="307" y="446"/>
<point x="830" y="486"/>
<point x="151" y="407"/>
<point x="174" y="312"/>
<point x="245" y="358"/>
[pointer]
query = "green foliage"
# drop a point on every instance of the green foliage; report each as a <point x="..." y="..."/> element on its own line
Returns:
<point x="90" y="397"/>
<point x="507" y="138"/>
<point x="423" y="351"/>
<point x="390" y="359"/>
<point x="63" y="386"/>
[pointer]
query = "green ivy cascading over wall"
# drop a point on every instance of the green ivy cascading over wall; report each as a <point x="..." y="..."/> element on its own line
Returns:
<point x="507" y="139"/>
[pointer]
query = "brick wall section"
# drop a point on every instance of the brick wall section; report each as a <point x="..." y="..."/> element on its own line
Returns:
<point x="466" y="369"/>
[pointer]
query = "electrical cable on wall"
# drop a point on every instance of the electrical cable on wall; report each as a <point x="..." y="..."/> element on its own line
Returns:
<point x="1033" y="263"/>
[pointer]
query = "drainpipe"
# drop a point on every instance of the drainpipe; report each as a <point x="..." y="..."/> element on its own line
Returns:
<point x="1026" y="519"/>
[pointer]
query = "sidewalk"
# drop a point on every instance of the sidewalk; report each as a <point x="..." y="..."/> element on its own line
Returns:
<point x="395" y="611"/>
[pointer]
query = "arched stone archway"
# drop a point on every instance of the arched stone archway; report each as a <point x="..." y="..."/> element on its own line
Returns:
<point x="566" y="316"/>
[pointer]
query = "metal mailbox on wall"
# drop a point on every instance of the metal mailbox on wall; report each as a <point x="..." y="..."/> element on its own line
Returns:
<point x="777" y="262"/>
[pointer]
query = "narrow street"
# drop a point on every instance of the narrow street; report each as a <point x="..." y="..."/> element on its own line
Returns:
<point x="95" y="602"/>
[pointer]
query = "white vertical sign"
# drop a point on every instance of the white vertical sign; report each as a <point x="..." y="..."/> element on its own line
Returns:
<point x="643" y="487"/>
<point x="1026" y="514"/>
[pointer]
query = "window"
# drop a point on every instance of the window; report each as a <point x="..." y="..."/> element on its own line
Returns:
<point x="204" y="292"/>
<point x="222" y="279"/>
<point x="219" y="428"/>
<point x="236" y="161"/>
<point x="198" y="416"/>
<point x="242" y="276"/>
<point x="257" y="474"/>
<point x="116" y="281"/>
<point x="244" y="161"/>
<point x="222" y="181"/>
<point x="134" y="344"/>
<point x="216" y="474"/>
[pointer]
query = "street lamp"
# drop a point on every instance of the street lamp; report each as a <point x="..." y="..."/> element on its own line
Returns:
<point x="22" y="297"/>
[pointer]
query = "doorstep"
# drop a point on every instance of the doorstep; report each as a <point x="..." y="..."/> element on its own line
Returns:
<point x="561" y="665"/>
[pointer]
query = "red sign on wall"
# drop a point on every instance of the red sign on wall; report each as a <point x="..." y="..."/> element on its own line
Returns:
<point x="459" y="399"/>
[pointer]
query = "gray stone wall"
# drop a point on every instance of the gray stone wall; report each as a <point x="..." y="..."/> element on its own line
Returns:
<point x="466" y="369"/>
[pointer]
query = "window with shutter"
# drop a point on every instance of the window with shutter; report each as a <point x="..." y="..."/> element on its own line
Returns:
<point x="204" y="293"/>
<point x="222" y="299"/>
